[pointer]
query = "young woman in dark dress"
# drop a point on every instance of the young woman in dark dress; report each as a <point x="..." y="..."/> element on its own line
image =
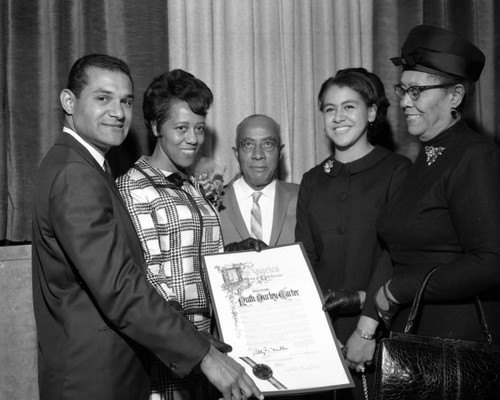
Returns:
<point x="340" y="199"/>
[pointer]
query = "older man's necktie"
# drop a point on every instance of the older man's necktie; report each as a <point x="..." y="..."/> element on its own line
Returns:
<point x="256" y="217"/>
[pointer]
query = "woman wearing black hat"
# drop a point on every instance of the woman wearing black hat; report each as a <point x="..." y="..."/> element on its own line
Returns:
<point x="447" y="213"/>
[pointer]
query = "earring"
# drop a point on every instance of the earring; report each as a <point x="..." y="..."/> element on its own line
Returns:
<point x="454" y="113"/>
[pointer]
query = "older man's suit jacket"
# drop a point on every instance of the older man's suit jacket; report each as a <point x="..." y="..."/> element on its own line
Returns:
<point x="97" y="316"/>
<point x="283" y="230"/>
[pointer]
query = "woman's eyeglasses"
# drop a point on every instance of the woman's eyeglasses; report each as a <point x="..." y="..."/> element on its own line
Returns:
<point x="415" y="91"/>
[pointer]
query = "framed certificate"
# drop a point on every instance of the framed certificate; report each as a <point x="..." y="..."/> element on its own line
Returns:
<point x="268" y="308"/>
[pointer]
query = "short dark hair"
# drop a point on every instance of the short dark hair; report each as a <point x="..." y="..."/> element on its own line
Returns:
<point x="78" y="77"/>
<point x="367" y="84"/>
<point x="169" y="87"/>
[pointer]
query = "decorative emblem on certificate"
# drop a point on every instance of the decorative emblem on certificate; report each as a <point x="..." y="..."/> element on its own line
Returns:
<point x="262" y="371"/>
<point x="269" y="309"/>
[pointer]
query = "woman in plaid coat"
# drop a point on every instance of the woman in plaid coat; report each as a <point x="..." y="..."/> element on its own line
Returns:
<point x="175" y="222"/>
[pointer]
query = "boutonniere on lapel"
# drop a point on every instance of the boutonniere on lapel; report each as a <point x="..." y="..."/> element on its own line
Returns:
<point x="210" y="178"/>
<point x="433" y="153"/>
<point x="327" y="166"/>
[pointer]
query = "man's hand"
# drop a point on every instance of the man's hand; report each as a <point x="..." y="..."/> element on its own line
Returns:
<point x="228" y="376"/>
<point x="342" y="302"/>
<point x="247" y="244"/>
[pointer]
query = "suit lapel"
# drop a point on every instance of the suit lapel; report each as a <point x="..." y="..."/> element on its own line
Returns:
<point x="281" y="200"/>
<point x="234" y="213"/>
<point x="67" y="140"/>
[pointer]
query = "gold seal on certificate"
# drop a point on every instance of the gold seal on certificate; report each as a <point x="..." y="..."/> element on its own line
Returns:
<point x="269" y="309"/>
<point x="262" y="371"/>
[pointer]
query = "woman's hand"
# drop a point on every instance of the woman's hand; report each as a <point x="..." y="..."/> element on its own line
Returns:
<point x="360" y="350"/>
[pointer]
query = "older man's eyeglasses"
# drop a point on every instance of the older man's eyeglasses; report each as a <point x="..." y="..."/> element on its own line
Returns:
<point x="249" y="145"/>
<point x="415" y="91"/>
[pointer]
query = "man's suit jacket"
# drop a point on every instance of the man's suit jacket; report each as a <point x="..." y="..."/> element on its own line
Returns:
<point x="283" y="230"/>
<point x="96" y="314"/>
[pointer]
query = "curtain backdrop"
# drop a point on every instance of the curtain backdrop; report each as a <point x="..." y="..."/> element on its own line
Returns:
<point x="475" y="20"/>
<point x="41" y="39"/>
<point x="257" y="56"/>
<point x="269" y="57"/>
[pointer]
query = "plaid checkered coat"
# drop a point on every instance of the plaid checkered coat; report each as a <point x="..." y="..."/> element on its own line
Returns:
<point x="176" y="226"/>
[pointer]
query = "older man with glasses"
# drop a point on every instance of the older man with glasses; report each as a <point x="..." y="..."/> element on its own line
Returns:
<point x="256" y="203"/>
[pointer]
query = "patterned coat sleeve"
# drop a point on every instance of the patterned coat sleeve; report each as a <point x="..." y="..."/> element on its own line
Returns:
<point x="139" y="198"/>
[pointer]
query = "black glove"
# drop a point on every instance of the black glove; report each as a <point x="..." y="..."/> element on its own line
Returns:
<point x="247" y="244"/>
<point x="342" y="302"/>
<point x="386" y="307"/>
<point x="218" y="344"/>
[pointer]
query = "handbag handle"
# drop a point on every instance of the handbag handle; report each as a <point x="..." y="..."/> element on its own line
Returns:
<point x="416" y="306"/>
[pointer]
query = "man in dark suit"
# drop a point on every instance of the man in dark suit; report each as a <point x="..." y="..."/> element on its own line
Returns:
<point x="98" y="319"/>
<point x="258" y="151"/>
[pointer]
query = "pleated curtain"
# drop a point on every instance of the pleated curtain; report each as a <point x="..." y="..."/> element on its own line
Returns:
<point x="475" y="20"/>
<point x="257" y="56"/>
<point x="269" y="57"/>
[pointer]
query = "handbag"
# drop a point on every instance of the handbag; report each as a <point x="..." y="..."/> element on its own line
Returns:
<point x="409" y="366"/>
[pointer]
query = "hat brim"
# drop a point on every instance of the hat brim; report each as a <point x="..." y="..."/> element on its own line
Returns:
<point x="428" y="70"/>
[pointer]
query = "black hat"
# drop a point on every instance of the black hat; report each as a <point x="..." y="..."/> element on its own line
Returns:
<point x="437" y="51"/>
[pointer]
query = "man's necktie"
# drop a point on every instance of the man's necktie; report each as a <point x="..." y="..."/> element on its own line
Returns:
<point x="107" y="168"/>
<point x="256" y="217"/>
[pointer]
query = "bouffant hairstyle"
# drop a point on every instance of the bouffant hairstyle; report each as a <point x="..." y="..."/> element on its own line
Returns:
<point x="367" y="84"/>
<point x="170" y="87"/>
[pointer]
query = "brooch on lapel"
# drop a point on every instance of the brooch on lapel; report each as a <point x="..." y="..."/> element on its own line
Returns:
<point x="432" y="153"/>
<point x="327" y="167"/>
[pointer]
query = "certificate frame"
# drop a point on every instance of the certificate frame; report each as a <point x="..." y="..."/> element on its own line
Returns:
<point x="268" y="307"/>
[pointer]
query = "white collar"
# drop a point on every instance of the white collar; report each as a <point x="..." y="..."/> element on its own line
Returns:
<point x="247" y="191"/>
<point x="93" y="152"/>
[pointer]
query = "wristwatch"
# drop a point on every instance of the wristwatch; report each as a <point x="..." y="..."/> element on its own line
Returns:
<point x="365" y="335"/>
